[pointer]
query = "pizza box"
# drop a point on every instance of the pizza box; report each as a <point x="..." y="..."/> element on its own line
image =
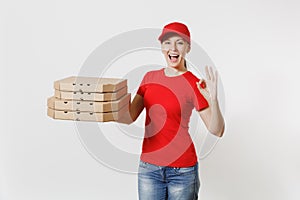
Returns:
<point x="91" y="96"/>
<point x="89" y="84"/>
<point x="87" y="116"/>
<point x="91" y="106"/>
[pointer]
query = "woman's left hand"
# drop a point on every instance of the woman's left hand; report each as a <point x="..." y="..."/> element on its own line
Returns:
<point x="211" y="82"/>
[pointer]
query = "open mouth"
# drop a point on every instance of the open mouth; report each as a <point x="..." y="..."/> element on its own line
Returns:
<point x="173" y="58"/>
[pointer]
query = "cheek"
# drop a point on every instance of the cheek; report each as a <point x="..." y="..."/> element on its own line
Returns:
<point x="164" y="48"/>
<point x="183" y="53"/>
<point x="182" y="50"/>
<point x="164" y="52"/>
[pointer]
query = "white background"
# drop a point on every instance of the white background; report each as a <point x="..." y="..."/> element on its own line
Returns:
<point x="255" y="46"/>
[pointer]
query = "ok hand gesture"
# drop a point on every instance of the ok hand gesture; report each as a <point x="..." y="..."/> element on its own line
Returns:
<point x="211" y="82"/>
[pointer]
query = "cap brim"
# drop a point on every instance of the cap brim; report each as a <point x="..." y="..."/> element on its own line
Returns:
<point x="164" y="34"/>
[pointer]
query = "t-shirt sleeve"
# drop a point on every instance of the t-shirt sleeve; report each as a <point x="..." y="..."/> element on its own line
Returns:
<point x="142" y="87"/>
<point x="200" y="103"/>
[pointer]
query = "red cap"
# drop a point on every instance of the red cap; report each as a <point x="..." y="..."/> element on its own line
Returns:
<point x="176" y="27"/>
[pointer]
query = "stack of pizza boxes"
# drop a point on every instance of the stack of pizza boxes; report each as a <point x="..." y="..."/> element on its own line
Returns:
<point x="89" y="99"/>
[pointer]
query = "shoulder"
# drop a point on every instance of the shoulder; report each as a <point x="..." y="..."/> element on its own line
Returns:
<point x="152" y="73"/>
<point x="192" y="77"/>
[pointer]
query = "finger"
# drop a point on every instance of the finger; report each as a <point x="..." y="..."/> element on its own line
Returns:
<point x="217" y="77"/>
<point x="211" y="74"/>
<point x="203" y="91"/>
<point x="201" y="87"/>
<point x="198" y="85"/>
<point x="207" y="72"/>
<point x="202" y="83"/>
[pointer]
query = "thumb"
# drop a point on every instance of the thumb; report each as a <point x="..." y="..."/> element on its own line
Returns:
<point x="201" y="84"/>
<point x="202" y="89"/>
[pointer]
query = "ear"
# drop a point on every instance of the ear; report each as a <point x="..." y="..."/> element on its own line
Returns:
<point x="161" y="48"/>
<point x="188" y="48"/>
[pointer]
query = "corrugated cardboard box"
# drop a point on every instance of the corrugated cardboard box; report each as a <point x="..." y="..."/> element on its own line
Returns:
<point x="91" y="96"/>
<point x="90" y="106"/>
<point x="90" y="84"/>
<point x="89" y="99"/>
<point x="87" y="116"/>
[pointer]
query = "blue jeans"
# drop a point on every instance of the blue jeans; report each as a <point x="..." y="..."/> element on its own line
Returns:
<point x="162" y="183"/>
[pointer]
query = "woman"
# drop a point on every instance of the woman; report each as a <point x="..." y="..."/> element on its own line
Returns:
<point x="168" y="168"/>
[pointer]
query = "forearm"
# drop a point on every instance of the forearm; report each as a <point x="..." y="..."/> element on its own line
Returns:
<point x="126" y="117"/>
<point x="133" y="110"/>
<point x="216" y="123"/>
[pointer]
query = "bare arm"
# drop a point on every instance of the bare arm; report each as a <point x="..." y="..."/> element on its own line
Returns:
<point x="213" y="119"/>
<point x="134" y="110"/>
<point x="211" y="116"/>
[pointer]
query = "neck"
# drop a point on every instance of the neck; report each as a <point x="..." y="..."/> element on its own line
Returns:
<point x="176" y="70"/>
<point x="180" y="68"/>
<point x="172" y="71"/>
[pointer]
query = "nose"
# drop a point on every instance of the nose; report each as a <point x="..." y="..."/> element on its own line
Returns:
<point x="173" y="46"/>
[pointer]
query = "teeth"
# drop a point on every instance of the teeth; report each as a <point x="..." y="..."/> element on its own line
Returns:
<point x="173" y="56"/>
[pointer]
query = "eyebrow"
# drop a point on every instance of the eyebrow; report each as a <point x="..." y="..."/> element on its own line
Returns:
<point x="175" y="41"/>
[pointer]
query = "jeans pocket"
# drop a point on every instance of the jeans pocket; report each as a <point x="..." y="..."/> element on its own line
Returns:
<point x="143" y="164"/>
<point x="145" y="167"/>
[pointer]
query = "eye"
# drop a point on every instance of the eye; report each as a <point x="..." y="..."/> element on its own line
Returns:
<point x="166" y="42"/>
<point x="181" y="43"/>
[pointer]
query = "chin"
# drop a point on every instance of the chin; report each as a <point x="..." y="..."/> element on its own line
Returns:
<point x="174" y="65"/>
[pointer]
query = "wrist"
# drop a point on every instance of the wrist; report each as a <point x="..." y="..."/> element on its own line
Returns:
<point x="213" y="101"/>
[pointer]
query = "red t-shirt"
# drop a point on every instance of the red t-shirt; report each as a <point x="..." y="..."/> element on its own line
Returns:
<point x="169" y="102"/>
